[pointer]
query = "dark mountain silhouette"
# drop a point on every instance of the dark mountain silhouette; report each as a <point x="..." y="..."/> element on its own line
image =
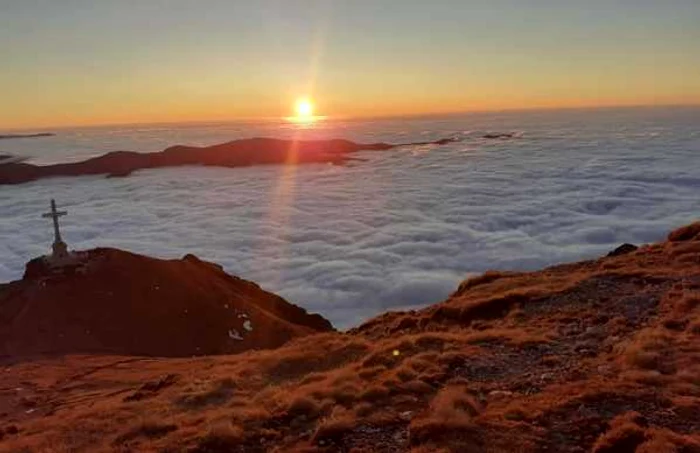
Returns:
<point x="238" y="153"/>
<point x="41" y="134"/>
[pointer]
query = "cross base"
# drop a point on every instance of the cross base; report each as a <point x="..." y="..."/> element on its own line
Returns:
<point x="60" y="250"/>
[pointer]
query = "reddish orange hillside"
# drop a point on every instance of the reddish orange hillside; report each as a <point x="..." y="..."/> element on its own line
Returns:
<point x="598" y="356"/>
<point x="117" y="302"/>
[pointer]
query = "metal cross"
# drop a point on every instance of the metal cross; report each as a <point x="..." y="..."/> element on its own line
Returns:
<point x="54" y="214"/>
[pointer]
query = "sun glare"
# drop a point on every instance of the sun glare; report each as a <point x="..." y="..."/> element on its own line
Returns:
<point x="304" y="109"/>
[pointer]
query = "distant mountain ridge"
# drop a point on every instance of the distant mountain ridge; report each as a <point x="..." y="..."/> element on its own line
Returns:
<point x="40" y="134"/>
<point x="237" y="153"/>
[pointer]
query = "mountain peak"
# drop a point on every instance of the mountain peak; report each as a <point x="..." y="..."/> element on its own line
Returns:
<point x="111" y="301"/>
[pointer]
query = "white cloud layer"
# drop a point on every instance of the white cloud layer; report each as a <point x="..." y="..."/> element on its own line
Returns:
<point x="398" y="231"/>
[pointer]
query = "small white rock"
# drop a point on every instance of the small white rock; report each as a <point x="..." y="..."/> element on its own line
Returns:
<point x="500" y="393"/>
<point x="247" y="325"/>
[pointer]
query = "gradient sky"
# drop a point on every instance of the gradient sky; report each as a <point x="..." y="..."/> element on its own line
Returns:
<point x="67" y="62"/>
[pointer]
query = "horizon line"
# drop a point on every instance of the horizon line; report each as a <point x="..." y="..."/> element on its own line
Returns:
<point x="379" y="117"/>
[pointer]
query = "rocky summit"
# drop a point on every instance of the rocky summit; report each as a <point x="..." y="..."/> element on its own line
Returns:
<point x="111" y="301"/>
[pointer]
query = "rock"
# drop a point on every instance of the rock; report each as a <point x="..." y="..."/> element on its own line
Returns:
<point x="570" y="330"/>
<point x="585" y="348"/>
<point x="150" y="389"/>
<point x="676" y="324"/>
<point x="500" y="393"/>
<point x="604" y="369"/>
<point x="611" y="340"/>
<point x="624" y="249"/>
<point x="595" y="331"/>
<point x="406" y="415"/>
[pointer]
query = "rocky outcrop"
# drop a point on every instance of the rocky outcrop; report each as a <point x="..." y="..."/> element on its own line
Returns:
<point x="238" y="153"/>
<point x="623" y="249"/>
<point x="111" y="301"/>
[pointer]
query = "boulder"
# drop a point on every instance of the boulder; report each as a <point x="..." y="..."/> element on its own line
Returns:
<point x="624" y="249"/>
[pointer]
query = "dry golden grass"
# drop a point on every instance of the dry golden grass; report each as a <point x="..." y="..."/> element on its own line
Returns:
<point x="625" y="435"/>
<point x="602" y="355"/>
<point x="448" y="419"/>
<point x="332" y="428"/>
<point x="149" y="430"/>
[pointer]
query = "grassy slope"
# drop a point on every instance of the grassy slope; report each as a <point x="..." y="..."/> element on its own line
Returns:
<point x="598" y="356"/>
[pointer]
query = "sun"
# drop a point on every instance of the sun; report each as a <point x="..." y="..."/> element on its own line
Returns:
<point x="304" y="109"/>
<point x="304" y="112"/>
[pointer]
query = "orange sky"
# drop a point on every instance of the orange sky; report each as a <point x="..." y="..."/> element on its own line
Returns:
<point x="157" y="61"/>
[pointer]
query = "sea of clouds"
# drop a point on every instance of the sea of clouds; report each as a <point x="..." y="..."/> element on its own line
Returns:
<point x="397" y="231"/>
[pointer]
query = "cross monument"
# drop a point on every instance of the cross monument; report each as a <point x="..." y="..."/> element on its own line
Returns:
<point x="60" y="249"/>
